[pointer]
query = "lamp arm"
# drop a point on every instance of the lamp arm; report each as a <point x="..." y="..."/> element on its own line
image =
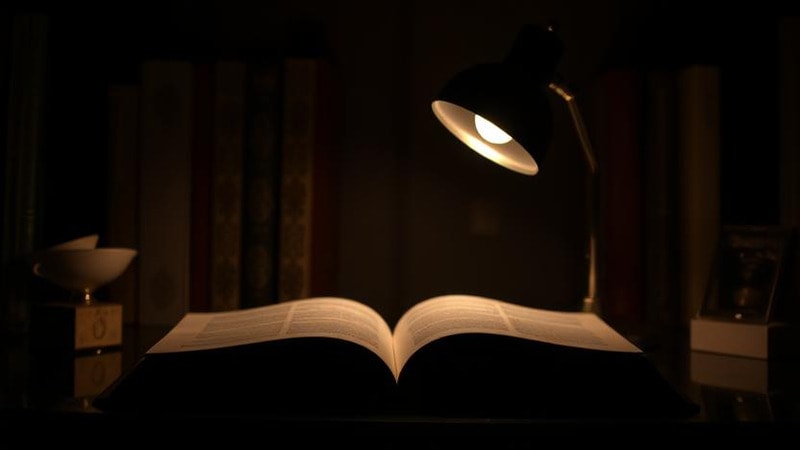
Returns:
<point x="590" y="302"/>
<point x="580" y="127"/>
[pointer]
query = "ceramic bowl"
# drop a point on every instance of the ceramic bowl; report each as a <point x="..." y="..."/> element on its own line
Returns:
<point x="83" y="269"/>
<point x="84" y="242"/>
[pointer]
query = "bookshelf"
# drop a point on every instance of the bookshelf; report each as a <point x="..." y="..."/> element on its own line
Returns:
<point x="404" y="213"/>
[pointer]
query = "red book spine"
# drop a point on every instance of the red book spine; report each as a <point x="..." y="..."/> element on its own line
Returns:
<point x="622" y="192"/>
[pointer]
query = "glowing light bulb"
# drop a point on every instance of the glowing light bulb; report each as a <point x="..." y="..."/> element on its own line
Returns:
<point x="490" y="132"/>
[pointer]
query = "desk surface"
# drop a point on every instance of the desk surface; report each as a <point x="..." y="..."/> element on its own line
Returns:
<point x="57" y="388"/>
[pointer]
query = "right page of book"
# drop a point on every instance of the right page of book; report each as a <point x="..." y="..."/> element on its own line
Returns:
<point x="448" y="315"/>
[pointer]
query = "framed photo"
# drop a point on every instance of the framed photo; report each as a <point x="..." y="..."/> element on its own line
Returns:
<point x="745" y="281"/>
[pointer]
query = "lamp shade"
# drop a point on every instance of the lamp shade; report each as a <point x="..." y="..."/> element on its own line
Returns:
<point x="511" y="97"/>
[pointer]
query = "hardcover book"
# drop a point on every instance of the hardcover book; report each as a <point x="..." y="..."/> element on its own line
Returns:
<point x="308" y="194"/>
<point x="20" y="188"/>
<point x="123" y="190"/>
<point x="621" y="187"/>
<point x="201" y="176"/>
<point x="261" y="185"/>
<point x="448" y="356"/>
<point x="226" y="185"/>
<point x="165" y="171"/>
<point x="699" y="193"/>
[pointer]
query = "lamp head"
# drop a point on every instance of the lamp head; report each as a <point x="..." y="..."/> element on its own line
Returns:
<point x="501" y="110"/>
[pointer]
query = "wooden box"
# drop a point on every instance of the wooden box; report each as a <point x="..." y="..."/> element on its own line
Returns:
<point x="77" y="326"/>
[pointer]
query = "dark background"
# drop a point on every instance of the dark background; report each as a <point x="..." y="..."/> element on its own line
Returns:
<point x="415" y="203"/>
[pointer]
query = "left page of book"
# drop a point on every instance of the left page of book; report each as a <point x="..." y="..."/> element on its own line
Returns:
<point x="318" y="317"/>
<point x="459" y="314"/>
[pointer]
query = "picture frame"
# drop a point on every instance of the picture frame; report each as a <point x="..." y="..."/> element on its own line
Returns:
<point x="746" y="278"/>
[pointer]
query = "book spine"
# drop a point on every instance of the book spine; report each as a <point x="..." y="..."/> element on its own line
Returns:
<point x="660" y="191"/>
<point x="261" y="185"/>
<point x="226" y="195"/>
<point x="22" y="191"/>
<point x="123" y="190"/>
<point x="307" y="249"/>
<point x="622" y="301"/>
<point x="325" y="215"/>
<point x="699" y="168"/>
<point x="200" y="265"/>
<point x="164" y="203"/>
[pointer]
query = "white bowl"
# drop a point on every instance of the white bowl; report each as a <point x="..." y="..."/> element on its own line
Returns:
<point x="84" y="242"/>
<point x="84" y="269"/>
<point x="81" y="243"/>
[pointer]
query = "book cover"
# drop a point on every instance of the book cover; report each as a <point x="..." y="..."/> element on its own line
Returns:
<point x="165" y="191"/>
<point x="448" y="356"/>
<point x="123" y="190"/>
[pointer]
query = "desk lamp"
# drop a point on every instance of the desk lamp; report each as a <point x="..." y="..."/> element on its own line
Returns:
<point x="501" y="111"/>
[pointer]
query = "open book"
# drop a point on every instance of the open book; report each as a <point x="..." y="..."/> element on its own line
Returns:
<point x="452" y="355"/>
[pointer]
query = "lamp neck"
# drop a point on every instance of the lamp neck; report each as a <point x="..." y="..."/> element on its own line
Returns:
<point x="580" y="127"/>
<point x="590" y="301"/>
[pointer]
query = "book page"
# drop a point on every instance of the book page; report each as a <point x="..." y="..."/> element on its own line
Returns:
<point x="458" y="314"/>
<point x="318" y="317"/>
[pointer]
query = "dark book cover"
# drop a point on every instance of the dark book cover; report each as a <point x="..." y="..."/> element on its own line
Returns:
<point x="463" y="376"/>
<point x="452" y="356"/>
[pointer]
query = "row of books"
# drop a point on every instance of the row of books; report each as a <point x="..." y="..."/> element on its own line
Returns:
<point x="688" y="150"/>
<point x="221" y="174"/>
<point x="658" y="136"/>
<point x="23" y="76"/>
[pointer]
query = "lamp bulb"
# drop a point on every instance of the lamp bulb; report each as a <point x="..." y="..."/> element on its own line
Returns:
<point x="490" y="132"/>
